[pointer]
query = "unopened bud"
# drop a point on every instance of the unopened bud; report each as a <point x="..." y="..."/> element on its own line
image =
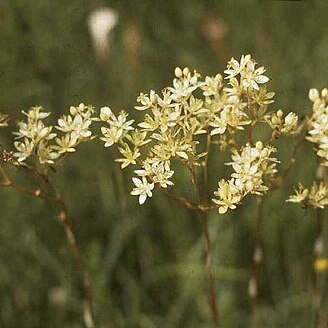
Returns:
<point x="186" y="71"/>
<point x="178" y="72"/>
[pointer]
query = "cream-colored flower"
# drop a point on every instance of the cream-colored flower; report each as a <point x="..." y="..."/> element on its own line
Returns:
<point x="130" y="155"/>
<point x="24" y="149"/>
<point x="38" y="137"/>
<point x="179" y="115"/>
<point x="287" y="125"/>
<point x="65" y="144"/>
<point x="228" y="195"/>
<point x="46" y="153"/>
<point x="111" y="135"/>
<point x="252" y="166"/>
<point x="211" y="85"/>
<point x="250" y="77"/>
<point x="318" y="124"/>
<point x="300" y="196"/>
<point x="146" y="100"/>
<point x="315" y="196"/>
<point x="143" y="189"/>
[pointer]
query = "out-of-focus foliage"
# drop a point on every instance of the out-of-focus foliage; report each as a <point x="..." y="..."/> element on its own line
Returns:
<point x="146" y="263"/>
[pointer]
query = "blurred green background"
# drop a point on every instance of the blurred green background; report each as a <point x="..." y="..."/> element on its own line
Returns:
<point x="147" y="263"/>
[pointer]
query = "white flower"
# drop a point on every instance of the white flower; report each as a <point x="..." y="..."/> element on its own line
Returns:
<point x="234" y="67"/>
<point x="249" y="76"/>
<point x="130" y="156"/>
<point x="66" y="144"/>
<point x="313" y="94"/>
<point x="24" y="149"/>
<point x="111" y="135"/>
<point x="143" y="189"/>
<point x="146" y="101"/>
<point x="106" y="114"/>
<point x="228" y="195"/>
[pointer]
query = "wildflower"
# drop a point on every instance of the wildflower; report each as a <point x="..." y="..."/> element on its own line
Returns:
<point x="46" y="153"/>
<point x="117" y="126"/>
<point x="177" y="117"/>
<point x="211" y="85"/>
<point x="228" y="195"/>
<point x="183" y="85"/>
<point x="249" y="76"/>
<point x="146" y="101"/>
<point x="77" y="125"/>
<point x="252" y="167"/>
<point x="158" y="172"/>
<point x="111" y="135"/>
<point x="283" y="126"/>
<point x="130" y="156"/>
<point x="315" y="196"/>
<point x="138" y="138"/>
<point x="36" y="138"/>
<point x="318" y="123"/>
<point x="65" y="144"/>
<point x="234" y="67"/>
<point x="24" y="149"/>
<point x="300" y="194"/>
<point x="143" y="189"/>
<point x="120" y="121"/>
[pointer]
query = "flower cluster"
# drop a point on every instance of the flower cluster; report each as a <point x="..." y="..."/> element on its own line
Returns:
<point x="253" y="170"/>
<point x="36" y="139"/>
<point x="315" y="196"/>
<point x="249" y="76"/>
<point x="318" y="124"/>
<point x="176" y="119"/>
<point x="284" y="126"/>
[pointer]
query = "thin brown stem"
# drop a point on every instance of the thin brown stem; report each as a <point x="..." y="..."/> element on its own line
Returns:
<point x="189" y="204"/>
<point x="65" y="220"/>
